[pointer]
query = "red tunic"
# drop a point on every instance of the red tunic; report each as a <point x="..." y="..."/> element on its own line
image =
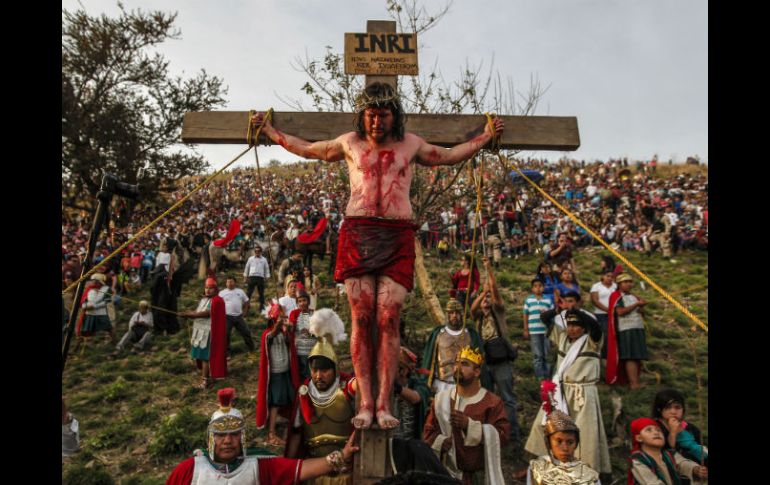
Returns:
<point x="264" y="374"/>
<point x="376" y="246"/>
<point x="278" y="471"/>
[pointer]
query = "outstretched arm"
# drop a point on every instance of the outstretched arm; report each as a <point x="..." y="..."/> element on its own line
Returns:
<point x="432" y="155"/>
<point x="327" y="150"/>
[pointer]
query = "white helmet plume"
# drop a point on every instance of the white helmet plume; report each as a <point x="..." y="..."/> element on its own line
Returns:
<point x="326" y="323"/>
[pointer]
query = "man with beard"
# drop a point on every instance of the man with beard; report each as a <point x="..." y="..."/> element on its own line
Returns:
<point x="444" y="343"/>
<point x="376" y="254"/>
<point x="467" y="425"/>
<point x="320" y="422"/>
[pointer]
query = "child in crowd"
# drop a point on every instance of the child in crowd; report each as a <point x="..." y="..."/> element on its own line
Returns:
<point x="668" y="409"/>
<point x="651" y="464"/>
<point x="534" y="329"/>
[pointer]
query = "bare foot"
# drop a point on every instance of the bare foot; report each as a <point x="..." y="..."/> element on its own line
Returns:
<point x="362" y="420"/>
<point x="385" y="420"/>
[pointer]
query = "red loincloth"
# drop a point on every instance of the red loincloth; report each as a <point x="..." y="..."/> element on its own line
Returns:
<point x="376" y="246"/>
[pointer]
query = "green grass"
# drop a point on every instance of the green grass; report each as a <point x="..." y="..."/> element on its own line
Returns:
<point x="124" y="404"/>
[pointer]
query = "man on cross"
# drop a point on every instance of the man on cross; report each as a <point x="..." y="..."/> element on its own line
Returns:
<point x="376" y="241"/>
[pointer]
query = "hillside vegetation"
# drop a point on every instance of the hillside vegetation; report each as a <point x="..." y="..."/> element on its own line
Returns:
<point x="140" y="416"/>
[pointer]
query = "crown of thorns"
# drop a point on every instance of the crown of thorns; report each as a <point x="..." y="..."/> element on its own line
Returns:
<point x="364" y="101"/>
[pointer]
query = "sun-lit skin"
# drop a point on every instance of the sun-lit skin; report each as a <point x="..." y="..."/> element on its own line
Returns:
<point x="380" y="172"/>
<point x="227" y="446"/>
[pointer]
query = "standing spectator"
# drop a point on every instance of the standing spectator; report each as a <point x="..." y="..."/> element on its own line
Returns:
<point x="600" y="297"/>
<point x="312" y="285"/>
<point x="288" y="301"/>
<point x="255" y="273"/>
<point x="495" y="231"/>
<point x="562" y="254"/>
<point x="299" y="319"/>
<point x="236" y="306"/>
<point x="534" y="329"/>
<point x="488" y="312"/>
<point x="148" y="262"/>
<point x="460" y="278"/>
<point x="139" y="330"/>
<point x="568" y="284"/>
<point x="549" y="278"/>
<point x="627" y="348"/>
<point x="94" y="304"/>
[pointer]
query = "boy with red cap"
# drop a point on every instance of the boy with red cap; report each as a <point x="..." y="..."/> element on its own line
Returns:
<point x="209" y="335"/>
<point x="651" y="464"/>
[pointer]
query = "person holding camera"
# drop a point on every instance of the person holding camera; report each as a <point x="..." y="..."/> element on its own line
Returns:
<point x="488" y="311"/>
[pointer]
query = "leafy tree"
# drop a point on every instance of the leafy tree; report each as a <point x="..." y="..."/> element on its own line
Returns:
<point x="121" y="109"/>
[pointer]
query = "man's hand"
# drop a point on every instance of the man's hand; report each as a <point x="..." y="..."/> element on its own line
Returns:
<point x="701" y="472"/>
<point x="526" y="334"/>
<point x="258" y="119"/>
<point x="498" y="128"/>
<point x="641" y="302"/>
<point x="350" y="447"/>
<point x="458" y="420"/>
<point x="446" y="445"/>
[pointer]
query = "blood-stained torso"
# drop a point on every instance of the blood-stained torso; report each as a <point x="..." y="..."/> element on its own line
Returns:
<point x="380" y="176"/>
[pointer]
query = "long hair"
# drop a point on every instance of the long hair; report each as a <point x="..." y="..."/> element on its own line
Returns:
<point x="380" y="95"/>
<point x="664" y="398"/>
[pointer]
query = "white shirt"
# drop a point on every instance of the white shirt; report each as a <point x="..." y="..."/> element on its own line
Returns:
<point x="164" y="259"/>
<point x="604" y="295"/>
<point x="234" y="300"/>
<point x="287" y="303"/>
<point x="138" y="317"/>
<point x="257" y="266"/>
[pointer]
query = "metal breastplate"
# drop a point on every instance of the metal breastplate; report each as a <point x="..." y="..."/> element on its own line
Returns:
<point x="546" y="473"/>
<point x="205" y="474"/>
<point x="330" y="428"/>
<point x="448" y="348"/>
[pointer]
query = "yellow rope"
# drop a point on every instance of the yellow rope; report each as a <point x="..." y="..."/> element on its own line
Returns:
<point x="268" y="115"/>
<point x="664" y="293"/>
<point x="473" y="240"/>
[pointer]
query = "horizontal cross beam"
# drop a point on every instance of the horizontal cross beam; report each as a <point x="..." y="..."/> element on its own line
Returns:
<point x="557" y="133"/>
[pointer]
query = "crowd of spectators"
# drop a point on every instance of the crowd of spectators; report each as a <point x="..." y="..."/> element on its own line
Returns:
<point x="616" y="201"/>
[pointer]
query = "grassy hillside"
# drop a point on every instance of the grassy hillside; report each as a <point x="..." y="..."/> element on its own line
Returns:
<point x="140" y="416"/>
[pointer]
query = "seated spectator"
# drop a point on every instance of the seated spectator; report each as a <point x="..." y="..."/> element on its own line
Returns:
<point x="139" y="330"/>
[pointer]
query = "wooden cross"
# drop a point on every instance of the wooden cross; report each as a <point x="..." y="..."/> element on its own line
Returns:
<point x="557" y="133"/>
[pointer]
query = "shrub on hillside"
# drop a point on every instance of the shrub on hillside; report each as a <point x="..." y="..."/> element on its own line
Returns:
<point x="116" y="391"/>
<point x="112" y="436"/>
<point x="80" y="475"/>
<point x="179" y="433"/>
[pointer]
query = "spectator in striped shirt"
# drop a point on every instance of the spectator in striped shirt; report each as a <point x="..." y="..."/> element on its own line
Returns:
<point x="534" y="328"/>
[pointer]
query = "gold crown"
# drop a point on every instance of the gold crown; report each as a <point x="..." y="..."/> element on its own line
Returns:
<point x="470" y="354"/>
<point x="227" y="424"/>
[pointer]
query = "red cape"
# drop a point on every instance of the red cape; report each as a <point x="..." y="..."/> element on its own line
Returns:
<point x="309" y="237"/>
<point x="615" y="373"/>
<point x="272" y="470"/>
<point x="218" y="351"/>
<point x="235" y="228"/>
<point x="82" y="312"/>
<point x="264" y="375"/>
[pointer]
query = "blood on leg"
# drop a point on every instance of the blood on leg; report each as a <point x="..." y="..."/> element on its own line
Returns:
<point x="390" y="300"/>
<point x="361" y="296"/>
